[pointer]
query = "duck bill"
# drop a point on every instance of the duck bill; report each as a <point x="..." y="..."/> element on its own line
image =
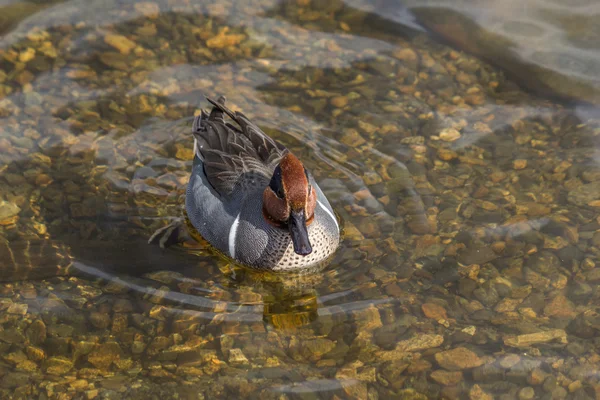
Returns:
<point x="299" y="233"/>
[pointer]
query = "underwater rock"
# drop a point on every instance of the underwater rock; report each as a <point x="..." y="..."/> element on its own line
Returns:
<point x="458" y="359"/>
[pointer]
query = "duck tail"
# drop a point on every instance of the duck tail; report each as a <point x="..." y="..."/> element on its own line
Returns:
<point x="267" y="148"/>
<point x="219" y="108"/>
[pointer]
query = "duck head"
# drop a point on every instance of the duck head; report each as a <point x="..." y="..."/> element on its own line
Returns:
<point x="289" y="201"/>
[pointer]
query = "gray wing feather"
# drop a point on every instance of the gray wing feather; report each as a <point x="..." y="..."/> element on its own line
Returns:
<point x="228" y="152"/>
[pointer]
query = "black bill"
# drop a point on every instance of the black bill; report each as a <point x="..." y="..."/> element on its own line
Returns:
<point x="299" y="233"/>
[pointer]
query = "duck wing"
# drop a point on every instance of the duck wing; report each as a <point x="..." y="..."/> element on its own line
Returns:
<point x="228" y="151"/>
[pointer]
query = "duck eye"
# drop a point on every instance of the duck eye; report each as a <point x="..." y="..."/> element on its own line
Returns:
<point x="276" y="185"/>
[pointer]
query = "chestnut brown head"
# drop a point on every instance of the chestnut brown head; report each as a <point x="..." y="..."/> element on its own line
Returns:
<point x="289" y="201"/>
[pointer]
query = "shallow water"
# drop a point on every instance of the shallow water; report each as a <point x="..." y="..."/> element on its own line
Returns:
<point x="468" y="266"/>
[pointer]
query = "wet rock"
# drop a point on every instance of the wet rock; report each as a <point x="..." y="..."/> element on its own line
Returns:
<point x="544" y="262"/>
<point x="560" y="307"/>
<point x="100" y="320"/>
<point x="115" y="60"/>
<point x="12" y="335"/>
<point x="386" y="337"/>
<point x="237" y="357"/>
<point x="196" y="357"/>
<point x="447" y="155"/>
<point x="224" y="39"/>
<point x="447" y="378"/>
<point x="105" y="354"/>
<point x="368" y="318"/>
<point x="458" y="359"/>
<point x="392" y="372"/>
<point x="584" y="194"/>
<point x="576" y="349"/>
<point x="355" y="389"/>
<point x="58" y="365"/>
<point x="8" y="213"/>
<point x="15" y="357"/>
<point x="119" y="323"/>
<point x="575" y="386"/>
<point x="315" y="349"/>
<point x="120" y="43"/>
<point x="434" y="311"/>
<point x="420" y="342"/>
<point x="559" y="393"/>
<point x="122" y="306"/>
<point x="527" y="393"/>
<point x="449" y="135"/>
<point x="509" y="361"/>
<point x="14" y="379"/>
<point x="488" y="373"/>
<point x="530" y="339"/>
<point x="550" y="384"/>
<point x="416" y="343"/>
<point x="36" y="332"/>
<point x="82" y="348"/>
<point x="61" y="330"/>
<point x="476" y="254"/>
<point x="519" y="164"/>
<point x="477" y="393"/>
<point x="487" y="294"/>
<point x="339" y="101"/>
<point x="19" y="309"/>
<point x="138" y="347"/>
<point x="35" y="353"/>
<point x="580" y="291"/>
<point x="411" y="394"/>
<point x="408" y="55"/>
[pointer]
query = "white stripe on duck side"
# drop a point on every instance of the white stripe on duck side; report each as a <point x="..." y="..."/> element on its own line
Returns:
<point x="232" y="235"/>
<point x="330" y="214"/>
<point x="196" y="152"/>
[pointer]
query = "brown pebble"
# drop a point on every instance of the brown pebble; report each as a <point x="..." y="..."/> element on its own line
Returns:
<point x="339" y="101"/>
<point x="406" y="54"/>
<point x="19" y="309"/>
<point x="27" y="55"/>
<point x="447" y="378"/>
<point x="560" y="307"/>
<point x="120" y="43"/>
<point x="43" y="180"/>
<point x="537" y="377"/>
<point x="519" y="164"/>
<point x="446" y="154"/>
<point x="100" y="320"/>
<point x="527" y="393"/>
<point x="575" y="386"/>
<point x="477" y="393"/>
<point x="498" y="176"/>
<point x="498" y="247"/>
<point x="509" y="361"/>
<point x="434" y="311"/>
<point x="418" y="366"/>
<point x="458" y="359"/>
<point x="449" y="135"/>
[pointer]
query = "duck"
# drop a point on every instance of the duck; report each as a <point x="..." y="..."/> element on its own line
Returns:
<point x="252" y="199"/>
